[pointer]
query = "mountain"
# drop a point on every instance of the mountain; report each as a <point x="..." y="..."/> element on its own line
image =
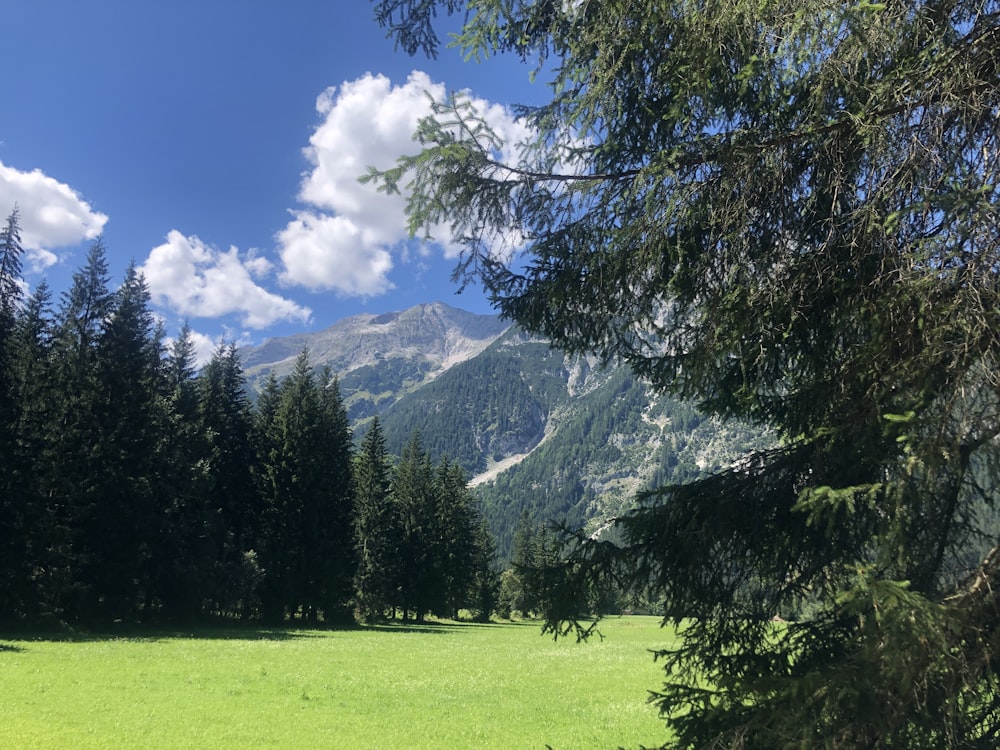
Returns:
<point x="560" y="438"/>
<point x="557" y="437"/>
<point x="378" y="358"/>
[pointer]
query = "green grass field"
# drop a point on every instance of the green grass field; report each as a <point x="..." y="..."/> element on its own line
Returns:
<point x="440" y="686"/>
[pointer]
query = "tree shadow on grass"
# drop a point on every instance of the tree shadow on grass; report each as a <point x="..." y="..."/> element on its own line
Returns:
<point x="231" y="631"/>
<point x="441" y="626"/>
<point x="152" y="633"/>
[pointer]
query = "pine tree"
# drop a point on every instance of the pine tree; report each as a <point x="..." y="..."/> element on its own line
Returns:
<point x="34" y="530"/>
<point x="130" y="419"/>
<point x="226" y="421"/>
<point x="417" y="583"/>
<point x="484" y="587"/>
<point x="308" y="529"/>
<point x="13" y="513"/>
<point x="184" y="562"/>
<point x="786" y="212"/>
<point x="376" y="526"/>
<point x="332" y="554"/>
<point x="457" y="525"/>
<point x="267" y="524"/>
<point x="73" y="440"/>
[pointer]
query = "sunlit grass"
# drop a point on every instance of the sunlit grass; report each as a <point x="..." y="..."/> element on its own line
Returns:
<point x="446" y="685"/>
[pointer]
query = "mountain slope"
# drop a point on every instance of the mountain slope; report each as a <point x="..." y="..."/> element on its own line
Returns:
<point x="558" y="437"/>
<point x="380" y="357"/>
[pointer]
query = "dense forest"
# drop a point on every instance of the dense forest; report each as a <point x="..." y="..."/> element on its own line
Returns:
<point x="136" y="488"/>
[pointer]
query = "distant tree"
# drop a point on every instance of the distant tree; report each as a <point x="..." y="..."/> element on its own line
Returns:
<point x="307" y="532"/>
<point x="226" y="421"/>
<point x="484" y="586"/>
<point x="13" y="551"/>
<point x="464" y="553"/>
<point x="515" y="596"/>
<point x="418" y="582"/>
<point x="124" y="513"/>
<point x="376" y="525"/>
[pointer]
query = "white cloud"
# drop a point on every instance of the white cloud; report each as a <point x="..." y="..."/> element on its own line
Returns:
<point x="346" y="240"/>
<point x="52" y="214"/>
<point x="206" y="346"/>
<point x="195" y="279"/>
<point x="329" y="252"/>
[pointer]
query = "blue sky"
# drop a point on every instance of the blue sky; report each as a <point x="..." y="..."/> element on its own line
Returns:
<point x="217" y="143"/>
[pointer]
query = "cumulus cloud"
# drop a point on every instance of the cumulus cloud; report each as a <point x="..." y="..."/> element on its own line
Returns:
<point x="347" y="238"/>
<point x="321" y="251"/>
<point x="197" y="280"/>
<point x="52" y="214"/>
<point x="205" y="346"/>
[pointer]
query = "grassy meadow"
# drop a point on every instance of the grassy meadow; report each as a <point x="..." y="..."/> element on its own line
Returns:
<point x="435" y="686"/>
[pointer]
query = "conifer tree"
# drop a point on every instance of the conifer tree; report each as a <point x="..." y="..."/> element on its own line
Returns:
<point x="484" y="587"/>
<point x="73" y="440"/>
<point x="126" y="516"/>
<point x="308" y="546"/>
<point x="30" y="517"/>
<point x="787" y="213"/>
<point x="13" y="571"/>
<point x="332" y="552"/>
<point x="183" y="558"/>
<point x="376" y="525"/>
<point x="226" y="421"/>
<point x="457" y="525"/>
<point x="417" y="580"/>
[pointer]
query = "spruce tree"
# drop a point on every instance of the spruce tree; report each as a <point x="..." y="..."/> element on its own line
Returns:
<point x="73" y="441"/>
<point x="332" y="551"/>
<point x="34" y="531"/>
<point x="376" y="525"/>
<point x="416" y="578"/>
<point x="184" y="562"/>
<point x="226" y="422"/>
<point x="308" y="546"/>
<point x="13" y="552"/>
<point x="787" y="213"/>
<point x="126" y="516"/>
<point x="457" y="525"/>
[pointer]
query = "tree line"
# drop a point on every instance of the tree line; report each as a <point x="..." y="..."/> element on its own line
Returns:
<point x="135" y="488"/>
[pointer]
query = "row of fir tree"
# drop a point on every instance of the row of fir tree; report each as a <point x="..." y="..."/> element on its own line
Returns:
<point x="136" y="488"/>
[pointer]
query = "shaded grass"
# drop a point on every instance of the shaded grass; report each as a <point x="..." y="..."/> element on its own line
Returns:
<point x="433" y="686"/>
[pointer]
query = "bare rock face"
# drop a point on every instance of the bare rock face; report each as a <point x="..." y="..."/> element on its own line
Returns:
<point x="392" y="353"/>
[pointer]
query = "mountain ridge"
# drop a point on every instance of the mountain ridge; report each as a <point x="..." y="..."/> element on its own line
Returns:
<point x="559" y="437"/>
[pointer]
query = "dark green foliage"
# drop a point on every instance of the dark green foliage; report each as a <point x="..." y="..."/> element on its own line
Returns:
<point x="13" y="511"/>
<point x="787" y="213"/>
<point x="477" y="409"/>
<point x="307" y="546"/>
<point x="374" y="386"/>
<point x="135" y="489"/>
<point x="376" y="526"/>
<point x="418" y="578"/>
